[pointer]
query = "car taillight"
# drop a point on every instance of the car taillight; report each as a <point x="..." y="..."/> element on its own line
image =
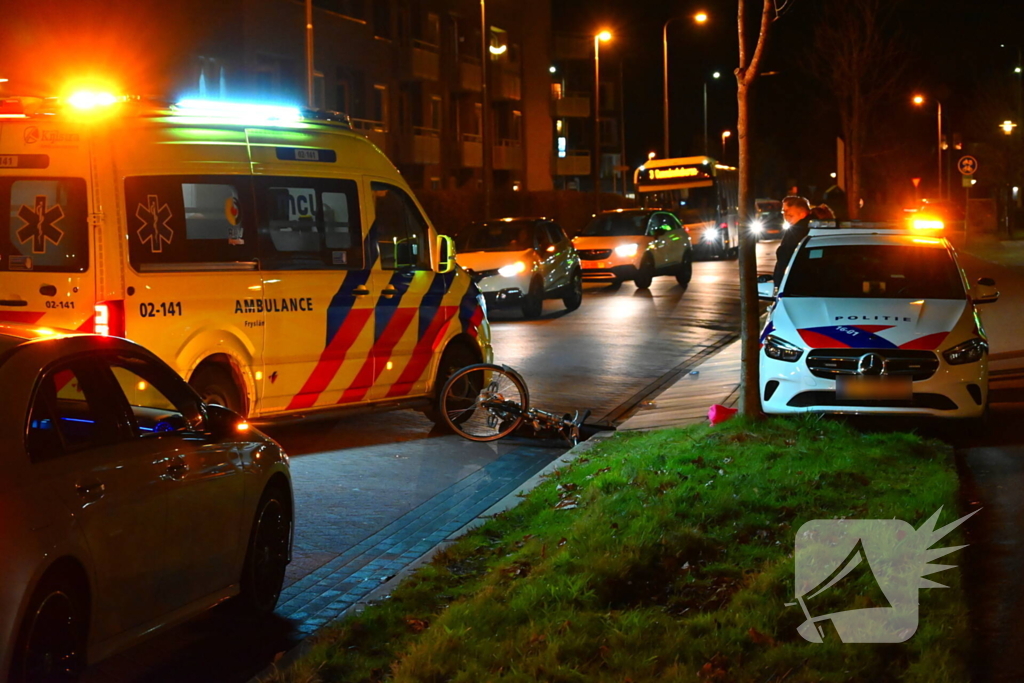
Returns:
<point x="109" y="318"/>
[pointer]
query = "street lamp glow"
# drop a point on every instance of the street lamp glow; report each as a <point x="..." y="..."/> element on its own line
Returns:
<point x="717" y="74"/>
<point x="918" y="99"/>
<point x="552" y="69"/>
<point x="1016" y="70"/>
<point x="726" y="133"/>
<point x="700" y="17"/>
<point x="604" y="36"/>
<point x="1007" y="126"/>
<point x="832" y="174"/>
<point x="651" y="155"/>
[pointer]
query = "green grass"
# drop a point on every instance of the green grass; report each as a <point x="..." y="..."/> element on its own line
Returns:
<point x="663" y="556"/>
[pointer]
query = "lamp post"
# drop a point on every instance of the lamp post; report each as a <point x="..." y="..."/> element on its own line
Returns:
<point x="716" y="76"/>
<point x="603" y="36"/>
<point x="725" y="135"/>
<point x="485" y="111"/>
<point x="919" y="100"/>
<point x="700" y="18"/>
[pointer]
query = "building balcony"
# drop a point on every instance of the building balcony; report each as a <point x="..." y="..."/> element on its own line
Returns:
<point x="505" y="84"/>
<point x="573" y="105"/>
<point x="422" y="147"/>
<point x="469" y="79"/>
<point x="508" y="155"/>
<point x="575" y="162"/>
<point x="374" y="131"/>
<point x="471" y="151"/>
<point x="424" y="62"/>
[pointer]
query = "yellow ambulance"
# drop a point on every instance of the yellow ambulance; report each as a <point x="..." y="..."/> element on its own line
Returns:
<point x="271" y="256"/>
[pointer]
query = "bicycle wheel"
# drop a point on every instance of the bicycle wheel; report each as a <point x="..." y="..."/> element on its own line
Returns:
<point x="484" y="402"/>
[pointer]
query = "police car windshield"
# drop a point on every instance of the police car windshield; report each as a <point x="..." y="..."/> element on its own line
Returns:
<point x="616" y="225"/>
<point x="874" y="271"/>
<point x="495" y="236"/>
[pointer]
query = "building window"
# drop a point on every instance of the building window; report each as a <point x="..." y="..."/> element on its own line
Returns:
<point x="517" y="126"/>
<point x="435" y="112"/>
<point x="432" y="29"/>
<point x="435" y="183"/>
<point x="341" y="96"/>
<point x="379" y="105"/>
<point x="319" y="91"/>
<point x="382" y="19"/>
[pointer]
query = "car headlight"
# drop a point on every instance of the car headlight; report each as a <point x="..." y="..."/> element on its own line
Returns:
<point x="785" y="225"/>
<point x="512" y="269"/>
<point x="626" y="250"/>
<point x="711" y="234"/>
<point x="971" y="351"/>
<point x="757" y="227"/>
<point x="780" y="349"/>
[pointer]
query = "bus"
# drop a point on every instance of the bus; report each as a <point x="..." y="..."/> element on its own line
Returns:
<point x="702" y="193"/>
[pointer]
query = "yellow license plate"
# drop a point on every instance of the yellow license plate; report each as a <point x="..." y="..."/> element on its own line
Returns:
<point x="856" y="388"/>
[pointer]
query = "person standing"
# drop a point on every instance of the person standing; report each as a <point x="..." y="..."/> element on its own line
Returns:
<point x="796" y="211"/>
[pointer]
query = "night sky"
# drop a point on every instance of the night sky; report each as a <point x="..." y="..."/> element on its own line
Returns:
<point x="951" y="51"/>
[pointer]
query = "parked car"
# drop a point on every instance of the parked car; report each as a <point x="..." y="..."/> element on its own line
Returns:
<point x="875" y="321"/>
<point x="128" y="504"/>
<point x="637" y="245"/>
<point x="768" y="221"/>
<point x="520" y="262"/>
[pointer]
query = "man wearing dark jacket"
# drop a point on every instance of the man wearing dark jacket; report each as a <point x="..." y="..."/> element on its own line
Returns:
<point x="796" y="211"/>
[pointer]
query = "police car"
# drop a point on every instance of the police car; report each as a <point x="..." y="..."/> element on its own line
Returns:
<point x="874" y="320"/>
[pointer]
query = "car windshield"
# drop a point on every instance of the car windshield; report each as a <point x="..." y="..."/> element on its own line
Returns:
<point x="495" y="236"/>
<point x="874" y="271"/>
<point x="616" y="225"/>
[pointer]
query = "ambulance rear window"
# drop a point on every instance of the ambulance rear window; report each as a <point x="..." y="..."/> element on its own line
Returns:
<point x="46" y="229"/>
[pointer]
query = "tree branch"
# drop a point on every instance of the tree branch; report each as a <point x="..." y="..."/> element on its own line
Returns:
<point x="750" y="73"/>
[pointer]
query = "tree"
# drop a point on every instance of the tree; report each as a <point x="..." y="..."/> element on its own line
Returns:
<point x="746" y="75"/>
<point x="860" y="63"/>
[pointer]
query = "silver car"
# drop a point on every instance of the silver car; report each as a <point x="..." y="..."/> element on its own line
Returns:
<point x="128" y="505"/>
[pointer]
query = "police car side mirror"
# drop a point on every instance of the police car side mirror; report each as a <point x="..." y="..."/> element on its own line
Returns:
<point x="766" y="290"/>
<point x="986" y="292"/>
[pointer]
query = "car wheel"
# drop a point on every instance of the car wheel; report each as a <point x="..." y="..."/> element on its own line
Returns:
<point x="53" y="636"/>
<point x="215" y="385"/>
<point x="574" y="297"/>
<point x="645" y="274"/>
<point x="533" y="302"/>
<point x="266" y="558"/>
<point x="733" y="254"/>
<point x="685" y="272"/>
<point x="455" y="357"/>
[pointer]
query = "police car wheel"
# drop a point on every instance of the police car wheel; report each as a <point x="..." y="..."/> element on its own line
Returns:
<point x="645" y="275"/>
<point x="215" y="385"/>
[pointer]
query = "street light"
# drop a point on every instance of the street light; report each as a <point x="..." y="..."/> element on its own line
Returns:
<point x="603" y="36"/>
<point x="1007" y="126"/>
<point x="716" y="76"/>
<point x="725" y="135"/>
<point x="700" y="18"/>
<point x="651" y="155"/>
<point x="919" y="100"/>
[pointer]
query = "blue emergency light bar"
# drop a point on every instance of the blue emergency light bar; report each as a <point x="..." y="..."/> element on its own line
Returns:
<point x="248" y="112"/>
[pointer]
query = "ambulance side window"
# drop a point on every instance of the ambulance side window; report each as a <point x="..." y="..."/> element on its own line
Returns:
<point x="44" y="225"/>
<point x="309" y="224"/>
<point x="401" y="232"/>
<point x="178" y="223"/>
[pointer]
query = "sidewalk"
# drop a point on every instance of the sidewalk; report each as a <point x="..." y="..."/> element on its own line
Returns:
<point x="990" y="248"/>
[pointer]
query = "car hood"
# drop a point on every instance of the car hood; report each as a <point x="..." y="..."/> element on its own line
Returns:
<point x="490" y="260"/>
<point x="866" y="323"/>
<point x="608" y="242"/>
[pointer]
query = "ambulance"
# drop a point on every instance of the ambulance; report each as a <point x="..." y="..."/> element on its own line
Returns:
<point x="274" y="258"/>
<point x="874" y="320"/>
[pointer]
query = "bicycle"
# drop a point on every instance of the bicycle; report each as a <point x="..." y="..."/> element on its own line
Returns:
<point x="486" y="402"/>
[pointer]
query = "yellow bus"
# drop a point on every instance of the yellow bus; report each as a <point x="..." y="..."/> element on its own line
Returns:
<point x="273" y="257"/>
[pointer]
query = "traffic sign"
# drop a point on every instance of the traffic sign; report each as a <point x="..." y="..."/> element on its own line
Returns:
<point x="967" y="165"/>
<point x="916" y="181"/>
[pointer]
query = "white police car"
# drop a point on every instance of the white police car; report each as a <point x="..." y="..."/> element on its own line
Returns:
<point x="875" y="321"/>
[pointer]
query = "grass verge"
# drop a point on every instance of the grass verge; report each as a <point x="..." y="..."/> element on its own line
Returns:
<point x="665" y="556"/>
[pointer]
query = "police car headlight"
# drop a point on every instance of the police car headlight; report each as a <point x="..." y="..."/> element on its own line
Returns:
<point x="512" y="269"/>
<point x="780" y="349"/>
<point x="757" y="227"/>
<point x="711" y="234"/>
<point x="971" y="351"/>
<point x="626" y="250"/>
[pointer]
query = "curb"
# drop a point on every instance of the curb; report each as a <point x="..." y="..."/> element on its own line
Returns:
<point x="385" y="589"/>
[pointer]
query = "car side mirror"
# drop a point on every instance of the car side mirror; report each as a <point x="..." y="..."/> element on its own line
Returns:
<point x="223" y="423"/>
<point x="765" y="288"/>
<point x="986" y="292"/>
<point x="445" y="254"/>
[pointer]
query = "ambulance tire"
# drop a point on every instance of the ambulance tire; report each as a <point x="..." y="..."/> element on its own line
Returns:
<point x="533" y="302"/>
<point x="645" y="274"/>
<point x="574" y="295"/>
<point x="455" y="357"/>
<point x="215" y="385"/>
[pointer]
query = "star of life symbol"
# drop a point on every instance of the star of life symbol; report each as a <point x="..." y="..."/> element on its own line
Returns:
<point x="154" y="229"/>
<point x="886" y="560"/>
<point x="40" y="224"/>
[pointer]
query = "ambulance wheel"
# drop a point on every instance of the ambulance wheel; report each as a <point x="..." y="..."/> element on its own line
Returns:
<point x="574" y="296"/>
<point x="455" y="357"/>
<point x="685" y="272"/>
<point x="533" y="302"/>
<point x="645" y="274"/>
<point x="216" y="386"/>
